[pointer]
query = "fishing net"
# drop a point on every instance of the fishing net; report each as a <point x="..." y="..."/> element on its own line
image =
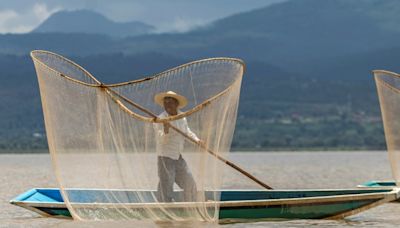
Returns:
<point x="139" y="160"/>
<point x="388" y="85"/>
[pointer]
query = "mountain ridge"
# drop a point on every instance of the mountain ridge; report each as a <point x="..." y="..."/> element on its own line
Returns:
<point x="91" y="22"/>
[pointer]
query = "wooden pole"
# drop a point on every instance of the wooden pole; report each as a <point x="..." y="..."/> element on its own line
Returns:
<point x="229" y="163"/>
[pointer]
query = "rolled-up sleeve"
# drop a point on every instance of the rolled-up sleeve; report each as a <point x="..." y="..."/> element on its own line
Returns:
<point x="189" y="132"/>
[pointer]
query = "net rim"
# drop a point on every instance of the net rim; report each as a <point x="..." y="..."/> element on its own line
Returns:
<point x="391" y="73"/>
<point x="145" y="78"/>
<point x="388" y="73"/>
<point x="165" y="72"/>
<point x="113" y="95"/>
<point x="87" y="73"/>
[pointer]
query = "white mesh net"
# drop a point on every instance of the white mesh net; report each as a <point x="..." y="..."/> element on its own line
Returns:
<point x="143" y="159"/>
<point x="388" y="85"/>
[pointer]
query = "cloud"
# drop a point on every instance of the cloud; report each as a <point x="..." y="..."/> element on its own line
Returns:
<point x="6" y="16"/>
<point x="41" y="11"/>
<point x="182" y="25"/>
<point x="12" y="21"/>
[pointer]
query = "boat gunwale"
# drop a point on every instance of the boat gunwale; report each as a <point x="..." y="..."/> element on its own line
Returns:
<point x="222" y="190"/>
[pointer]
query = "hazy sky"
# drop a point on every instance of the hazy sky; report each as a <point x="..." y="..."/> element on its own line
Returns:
<point x="20" y="16"/>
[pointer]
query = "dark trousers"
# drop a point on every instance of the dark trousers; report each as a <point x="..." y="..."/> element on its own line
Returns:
<point x="172" y="171"/>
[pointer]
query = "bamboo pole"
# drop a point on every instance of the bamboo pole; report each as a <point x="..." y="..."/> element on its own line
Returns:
<point x="229" y="163"/>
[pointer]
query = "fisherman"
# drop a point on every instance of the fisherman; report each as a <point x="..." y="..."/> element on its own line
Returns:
<point x="172" y="168"/>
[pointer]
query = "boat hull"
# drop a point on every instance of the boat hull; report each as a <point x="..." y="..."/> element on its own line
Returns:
<point x="238" y="205"/>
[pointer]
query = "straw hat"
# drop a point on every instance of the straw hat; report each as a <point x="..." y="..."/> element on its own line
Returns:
<point x="159" y="98"/>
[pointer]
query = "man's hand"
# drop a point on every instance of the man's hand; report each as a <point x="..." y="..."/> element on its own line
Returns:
<point x="166" y="128"/>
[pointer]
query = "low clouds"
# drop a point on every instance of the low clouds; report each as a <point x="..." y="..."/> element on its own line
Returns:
<point x="6" y="19"/>
<point x="41" y="12"/>
<point x="180" y="24"/>
<point x="24" y="20"/>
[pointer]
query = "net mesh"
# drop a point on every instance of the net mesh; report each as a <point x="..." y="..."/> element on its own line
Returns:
<point x="388" y="85"/>
<point x="139" y="160"/>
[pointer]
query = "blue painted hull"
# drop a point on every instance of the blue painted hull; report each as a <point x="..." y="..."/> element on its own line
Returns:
<point x="378" y="184"/>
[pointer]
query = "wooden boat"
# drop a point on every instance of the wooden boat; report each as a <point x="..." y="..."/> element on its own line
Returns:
<point x="235" y="205"/>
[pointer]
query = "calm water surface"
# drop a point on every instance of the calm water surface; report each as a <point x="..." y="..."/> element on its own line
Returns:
<point x="282" y="170"/>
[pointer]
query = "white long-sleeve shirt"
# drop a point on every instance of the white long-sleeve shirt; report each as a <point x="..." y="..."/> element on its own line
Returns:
<point x="171" y="144"/>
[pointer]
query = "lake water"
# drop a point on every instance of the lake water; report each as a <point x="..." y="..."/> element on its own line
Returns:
<point x="281" y="170"/>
